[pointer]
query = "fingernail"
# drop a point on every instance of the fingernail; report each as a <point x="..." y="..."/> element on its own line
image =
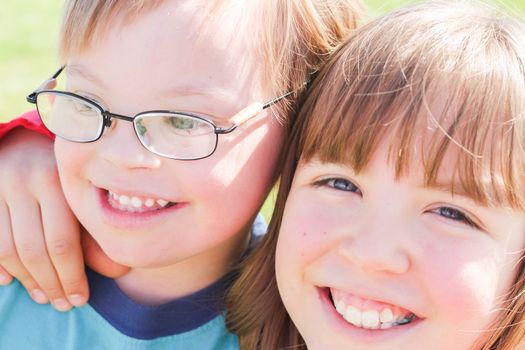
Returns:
<point x="61" y="304"/>
<point x="4" y="279"/>
<point x="39" y="296"/>
<point x="76" y="299"/>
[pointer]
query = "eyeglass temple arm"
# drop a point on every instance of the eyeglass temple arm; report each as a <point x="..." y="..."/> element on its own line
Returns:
<point x="31" y="98"/>
<point x="250" y="112"/>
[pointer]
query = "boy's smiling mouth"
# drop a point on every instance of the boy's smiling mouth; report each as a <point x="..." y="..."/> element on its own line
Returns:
<point x="369" y="314"/>
<point x="136" y="204"/>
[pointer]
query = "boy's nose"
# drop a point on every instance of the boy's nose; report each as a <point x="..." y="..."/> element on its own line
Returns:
<point x="121" y="147"/>
<point x="374" y="245"/>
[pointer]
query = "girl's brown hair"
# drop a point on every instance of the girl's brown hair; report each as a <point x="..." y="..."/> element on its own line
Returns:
<point x="454" y="68"/>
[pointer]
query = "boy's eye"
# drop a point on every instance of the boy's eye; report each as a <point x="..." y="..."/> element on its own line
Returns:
<point x="181" y="123"/>
<point x="82" y="107"/>
<point x="340" y="184"/>
<point x="455" y="215"/>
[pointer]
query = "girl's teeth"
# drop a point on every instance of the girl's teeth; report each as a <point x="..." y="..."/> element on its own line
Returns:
<point x="386" y="316"/>
<point x="353" y="315"/>
<point x="371" y="319"/>
<point x="340" y="307"/>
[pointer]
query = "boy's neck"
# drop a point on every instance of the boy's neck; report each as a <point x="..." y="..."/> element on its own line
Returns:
<point x="155" y="286"/>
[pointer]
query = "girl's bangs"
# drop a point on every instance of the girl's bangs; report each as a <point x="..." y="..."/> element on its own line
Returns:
<point x="443" y="105"/>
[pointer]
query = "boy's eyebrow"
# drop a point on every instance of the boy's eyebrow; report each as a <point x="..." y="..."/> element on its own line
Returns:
<point x="77" y="69"/>
<point x="215" y="93"/>
<point x="209" y="92"/>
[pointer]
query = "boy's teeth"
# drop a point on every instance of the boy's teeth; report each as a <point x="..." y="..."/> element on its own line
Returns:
<point x="135" y="204"/>
<point x="162" y="202"/>
<point x="124" y="200"/>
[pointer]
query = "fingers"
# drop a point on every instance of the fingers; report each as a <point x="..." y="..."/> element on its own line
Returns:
<point x="10" y="261"/>
<point x="5" y="277"/>
<point x="31" y="248"/>
<point x="63" y="245"/>
<point x="97" y="260"/>
<point x="5" y="225"/>
<point x="39" y="236"/>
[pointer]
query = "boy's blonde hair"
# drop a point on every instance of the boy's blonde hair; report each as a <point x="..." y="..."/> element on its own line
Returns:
<point x="454" y="70"/>
<point x="292" y="37"/>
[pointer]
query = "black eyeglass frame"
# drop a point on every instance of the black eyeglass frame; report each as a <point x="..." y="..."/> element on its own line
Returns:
<point x="107" y="116"/>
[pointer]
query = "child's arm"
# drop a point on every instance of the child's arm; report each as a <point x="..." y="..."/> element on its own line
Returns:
<point x="39" y="235"/>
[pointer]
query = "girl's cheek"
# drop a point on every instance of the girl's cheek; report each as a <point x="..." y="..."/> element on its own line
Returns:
<point x="463" y="288"/>
<point x="307" y="229"/>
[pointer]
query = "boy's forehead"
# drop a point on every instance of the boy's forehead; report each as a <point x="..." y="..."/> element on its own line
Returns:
<point x="217" y="23"/>
<point x="174" y="50"/>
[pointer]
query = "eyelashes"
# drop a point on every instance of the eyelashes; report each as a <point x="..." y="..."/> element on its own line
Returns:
<point x="339" y="184"/>
<point x="451" y="213"/>
<point x="455" y="215"/>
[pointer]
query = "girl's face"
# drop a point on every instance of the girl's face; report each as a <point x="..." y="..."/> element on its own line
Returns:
<point x="365" y="261"/>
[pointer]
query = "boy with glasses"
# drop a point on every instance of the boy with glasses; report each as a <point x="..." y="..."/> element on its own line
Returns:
<point x="166" y="149"/>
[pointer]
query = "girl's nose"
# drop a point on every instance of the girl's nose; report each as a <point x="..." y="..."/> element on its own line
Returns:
<point x="376" y="246"/>
<point x="120" y="146"/>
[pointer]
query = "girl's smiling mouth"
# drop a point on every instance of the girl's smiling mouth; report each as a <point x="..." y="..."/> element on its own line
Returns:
<point x="369" y="314"/>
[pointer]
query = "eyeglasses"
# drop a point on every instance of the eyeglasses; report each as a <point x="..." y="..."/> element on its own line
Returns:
<point x="171" y="134"/>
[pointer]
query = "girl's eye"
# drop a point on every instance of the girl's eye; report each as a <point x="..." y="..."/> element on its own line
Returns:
<point x="455" y="215"/>
<point x="340" y="184"/>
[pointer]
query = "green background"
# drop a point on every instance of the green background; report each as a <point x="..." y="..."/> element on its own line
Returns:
<point x="28" y="32"/>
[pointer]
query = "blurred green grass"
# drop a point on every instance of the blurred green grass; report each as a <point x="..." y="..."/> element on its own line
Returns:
<point x="28" y="32"/>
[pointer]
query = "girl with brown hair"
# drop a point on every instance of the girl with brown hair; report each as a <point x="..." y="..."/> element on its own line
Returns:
<point x="400" y="218"/>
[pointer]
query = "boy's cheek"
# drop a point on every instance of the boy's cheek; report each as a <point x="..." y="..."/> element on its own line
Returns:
<point x="70" y="155"/>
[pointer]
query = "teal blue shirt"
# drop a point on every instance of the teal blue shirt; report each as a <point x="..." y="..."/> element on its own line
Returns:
<point x="113" y="321"/>
<point x="25" y="325"/>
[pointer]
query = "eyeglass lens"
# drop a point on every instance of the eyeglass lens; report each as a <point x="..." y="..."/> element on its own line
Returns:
<point x="167" y="134"/>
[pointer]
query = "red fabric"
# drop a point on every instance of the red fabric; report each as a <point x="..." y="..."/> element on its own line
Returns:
<point x="30" y="121"/>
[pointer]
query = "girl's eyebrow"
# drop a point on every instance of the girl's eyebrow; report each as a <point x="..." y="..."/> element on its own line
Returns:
<point x="456" y="189"/>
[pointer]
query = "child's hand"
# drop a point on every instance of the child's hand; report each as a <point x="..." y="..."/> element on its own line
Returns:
<point x="39" y="235"/>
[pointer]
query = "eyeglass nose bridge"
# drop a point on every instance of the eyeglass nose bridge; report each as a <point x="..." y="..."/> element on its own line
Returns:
<point x="108" y="116"/>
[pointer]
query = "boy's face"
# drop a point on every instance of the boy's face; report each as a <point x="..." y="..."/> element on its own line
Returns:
<point x="158" y="62"/>
<point x="365" y="261"/>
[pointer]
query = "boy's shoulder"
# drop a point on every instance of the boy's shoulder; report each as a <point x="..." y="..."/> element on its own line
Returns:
<point x="33" y="326"/>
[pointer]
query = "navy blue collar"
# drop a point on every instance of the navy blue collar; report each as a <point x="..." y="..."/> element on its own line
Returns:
<point x="178" y="316"/>
<point x="149" y="322"/>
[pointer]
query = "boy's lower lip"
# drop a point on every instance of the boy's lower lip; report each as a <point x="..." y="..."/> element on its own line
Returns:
<point x="131" y="220"/>
<point x="357" y="334"/>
